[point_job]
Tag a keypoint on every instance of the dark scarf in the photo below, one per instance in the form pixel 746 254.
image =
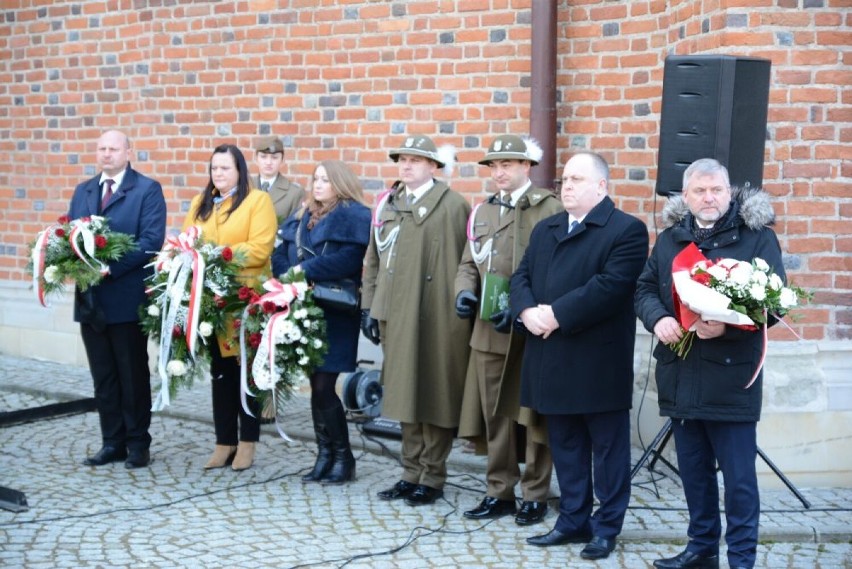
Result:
pixel 703 233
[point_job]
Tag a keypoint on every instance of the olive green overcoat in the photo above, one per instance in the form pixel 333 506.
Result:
pixel 408 288
pixel 510 235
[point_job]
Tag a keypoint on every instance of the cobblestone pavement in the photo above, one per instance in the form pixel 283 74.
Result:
pixel 175 514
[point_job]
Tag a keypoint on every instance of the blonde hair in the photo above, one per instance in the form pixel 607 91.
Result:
pixel 343 181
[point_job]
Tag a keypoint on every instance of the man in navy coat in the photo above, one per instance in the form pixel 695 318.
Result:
pixel 573 292
pixel 108 313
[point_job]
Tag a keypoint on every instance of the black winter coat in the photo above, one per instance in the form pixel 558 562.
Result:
pixel 709 384
pixel 340 240
pixel 588 278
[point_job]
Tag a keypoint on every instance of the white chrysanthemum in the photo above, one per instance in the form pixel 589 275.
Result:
pixel 775 282
pixel 205 329
pixel 300 351
pixel 788 298
pixel 153 310
pixel 741 274
pixel 304 360
pixel 761 265
pixel 760 278
pixel 176 368
pixel 757 292
pixel 300 314
pixel 51 274
pixel 304 339
pixel 317 343
pixel 263 379
pixel 307 324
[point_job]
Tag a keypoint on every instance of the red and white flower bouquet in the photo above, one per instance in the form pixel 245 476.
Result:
pixel 739 293
pixel 75 250
pixel 193 294
pixel 282 338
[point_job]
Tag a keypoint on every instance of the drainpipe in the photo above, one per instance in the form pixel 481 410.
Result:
pixel 543 93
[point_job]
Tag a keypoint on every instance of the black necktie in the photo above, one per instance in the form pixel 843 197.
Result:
pixel 107 193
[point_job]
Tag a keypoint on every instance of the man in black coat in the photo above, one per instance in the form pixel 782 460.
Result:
pixel 573 291
pixel 715 417
pixel 108 313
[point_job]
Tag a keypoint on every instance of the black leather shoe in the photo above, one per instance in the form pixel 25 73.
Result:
pixel 688 560
pixel 598 548
pixel 106 455
pixel 556 537
pixel 423 495
pixel 531 513
pixel 399 490
pixel 491 507
pixel 138 459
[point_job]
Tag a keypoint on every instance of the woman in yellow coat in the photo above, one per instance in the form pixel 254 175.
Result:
pixel 230 213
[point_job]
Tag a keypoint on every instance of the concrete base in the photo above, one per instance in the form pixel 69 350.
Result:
pixel 806 429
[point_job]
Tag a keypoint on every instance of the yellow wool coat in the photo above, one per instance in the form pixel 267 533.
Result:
pixel 248 230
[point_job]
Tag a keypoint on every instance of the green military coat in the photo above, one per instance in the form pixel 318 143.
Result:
pixel 408 288
pixel 510 236
pixel 286 196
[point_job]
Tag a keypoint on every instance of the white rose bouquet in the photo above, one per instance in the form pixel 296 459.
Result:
pixel 740 293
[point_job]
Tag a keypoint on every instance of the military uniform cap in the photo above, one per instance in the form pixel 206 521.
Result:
pixel 419 145
pixel 269 145
pixel 512 147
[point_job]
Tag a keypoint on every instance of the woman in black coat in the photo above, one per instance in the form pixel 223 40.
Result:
pixel 327 238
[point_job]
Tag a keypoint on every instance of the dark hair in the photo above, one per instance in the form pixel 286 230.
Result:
pixel 206 207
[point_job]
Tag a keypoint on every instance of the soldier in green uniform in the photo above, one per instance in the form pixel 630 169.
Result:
pixel 498 232
pixel 407 298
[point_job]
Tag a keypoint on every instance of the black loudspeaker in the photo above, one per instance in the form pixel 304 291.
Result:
pixel 714 106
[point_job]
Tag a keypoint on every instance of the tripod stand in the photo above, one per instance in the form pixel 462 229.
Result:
pixel 659 443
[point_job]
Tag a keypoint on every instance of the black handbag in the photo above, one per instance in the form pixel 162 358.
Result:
pixel 343 295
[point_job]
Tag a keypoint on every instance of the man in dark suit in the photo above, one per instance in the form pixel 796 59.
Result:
pixel 108 313
pixel 573 292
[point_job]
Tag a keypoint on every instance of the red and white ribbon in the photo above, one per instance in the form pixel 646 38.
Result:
pixel 82 241
pixel 186 265
pixel 39 252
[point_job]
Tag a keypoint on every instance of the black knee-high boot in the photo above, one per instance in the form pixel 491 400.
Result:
pixel 343 469
pixel 324 459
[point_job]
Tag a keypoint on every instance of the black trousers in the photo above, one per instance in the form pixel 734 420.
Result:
pixel 577 442
pixel 118 361
pixel 230 420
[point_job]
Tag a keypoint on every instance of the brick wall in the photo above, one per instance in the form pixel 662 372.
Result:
pixel 348 79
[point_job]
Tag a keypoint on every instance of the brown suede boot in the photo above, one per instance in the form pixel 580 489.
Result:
pixel 222 456
pixel 244 457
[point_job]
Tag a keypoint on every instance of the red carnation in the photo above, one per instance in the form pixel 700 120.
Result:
pixel 176 331
pixel 254 339
pixel 252 309
pixel 227 254
pixel 219 301
pixel 63 219
pixel 100 241
pixel 237 323
pixel 269 307
pixel 60 232
pixel 244 293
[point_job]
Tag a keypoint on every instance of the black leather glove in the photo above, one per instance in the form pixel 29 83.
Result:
pixel 370 327
pixel 502 321
pixel 466 303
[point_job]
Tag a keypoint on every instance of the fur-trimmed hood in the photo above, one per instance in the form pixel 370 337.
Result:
pixel 755 208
